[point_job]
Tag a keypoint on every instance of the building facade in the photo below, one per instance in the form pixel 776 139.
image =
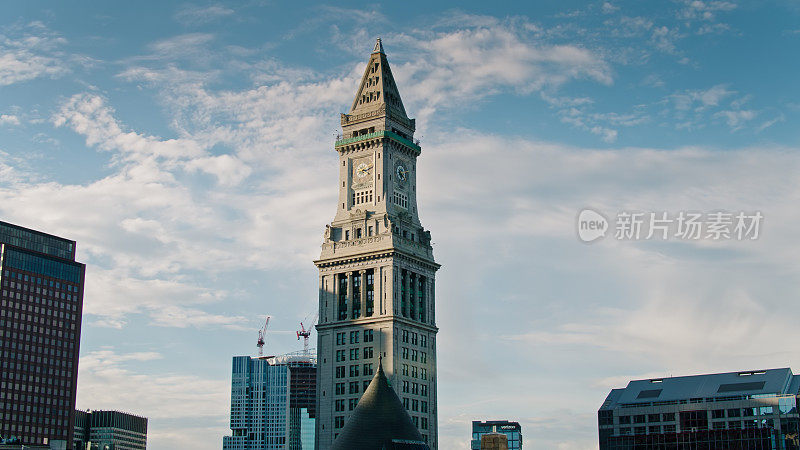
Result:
pixel 512 430
pixel 273 403
pixel 109 430
pixel 41 302
pixel 750 410
pixel 376 269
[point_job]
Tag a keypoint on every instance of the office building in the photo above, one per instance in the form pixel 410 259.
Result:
pixel 376 268
pixel 109 430
pixel 40 327
pixel 512 430
pixel 273 402
pixel 755 409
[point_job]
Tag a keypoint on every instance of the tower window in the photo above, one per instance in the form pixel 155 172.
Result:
pixel 356 284
pixel 342 297
pixel 401 200
pixel 370 298
pixel 361 197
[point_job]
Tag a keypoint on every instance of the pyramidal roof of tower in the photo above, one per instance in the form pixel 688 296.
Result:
pixel 379 420
pixel 378 88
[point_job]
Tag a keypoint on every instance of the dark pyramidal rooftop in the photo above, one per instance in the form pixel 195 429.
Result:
pixel 379 422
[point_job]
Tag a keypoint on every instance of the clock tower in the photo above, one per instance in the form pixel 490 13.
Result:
pixel 376 270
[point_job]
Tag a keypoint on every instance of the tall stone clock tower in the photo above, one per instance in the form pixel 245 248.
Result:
pixel 376 270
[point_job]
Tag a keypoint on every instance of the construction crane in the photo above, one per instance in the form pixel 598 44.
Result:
pixel 306 332
pixel 262 334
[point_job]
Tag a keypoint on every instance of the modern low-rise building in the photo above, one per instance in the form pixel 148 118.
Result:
pixel 109 430
pixel 512 430
pixel 754 409
pixel 273 402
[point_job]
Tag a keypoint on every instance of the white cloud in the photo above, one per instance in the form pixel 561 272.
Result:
pixel 609 8
pixel 34 54
pixel 607 134
pixel 704 10
pixel 695 109
pixel 771 122
pixel 200 15
pixel 665 38
pixel 181 46
pixel 88 115
pixel 673 297
pixel 106 380
pixel 737 119
pixel 454 68
pixel 9 119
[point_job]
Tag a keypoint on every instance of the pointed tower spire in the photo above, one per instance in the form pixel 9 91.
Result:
pixel 378 91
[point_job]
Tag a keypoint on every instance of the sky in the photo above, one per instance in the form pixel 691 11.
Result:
pixel 188 149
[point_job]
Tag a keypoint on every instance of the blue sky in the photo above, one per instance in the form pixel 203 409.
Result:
pixel 188 148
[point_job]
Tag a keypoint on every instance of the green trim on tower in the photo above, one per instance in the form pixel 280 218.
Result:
pixel 388 134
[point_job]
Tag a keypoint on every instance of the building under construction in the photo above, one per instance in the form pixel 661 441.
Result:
pixel 273 402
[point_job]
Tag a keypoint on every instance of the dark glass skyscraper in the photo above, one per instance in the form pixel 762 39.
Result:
pixel 41 300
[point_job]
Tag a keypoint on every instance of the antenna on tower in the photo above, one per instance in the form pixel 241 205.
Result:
pixel 306 332
pixel 262 334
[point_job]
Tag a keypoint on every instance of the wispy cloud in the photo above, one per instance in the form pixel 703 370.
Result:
pixel 32 52
pixel 201 15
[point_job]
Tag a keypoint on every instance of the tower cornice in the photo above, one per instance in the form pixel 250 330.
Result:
pixel 377 319
pixel 380 254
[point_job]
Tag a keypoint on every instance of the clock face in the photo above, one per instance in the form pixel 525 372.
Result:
pixel 363 170
pixel 402 173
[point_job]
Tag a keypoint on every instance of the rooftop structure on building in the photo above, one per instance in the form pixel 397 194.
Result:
pixel 273 402
pixel 379 421
pixel 512 430
pixel 751 409
pixel 494 441
pixel 41 302
pixel 112 430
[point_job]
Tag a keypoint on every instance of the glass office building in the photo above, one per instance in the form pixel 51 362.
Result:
pixel 754 409
pixel 273 403
pixel 512 430
pixel 41 301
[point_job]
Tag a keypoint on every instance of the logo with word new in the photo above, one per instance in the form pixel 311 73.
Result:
pixel 591 225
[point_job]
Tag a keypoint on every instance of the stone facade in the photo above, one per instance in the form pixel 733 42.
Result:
pixel 376 269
